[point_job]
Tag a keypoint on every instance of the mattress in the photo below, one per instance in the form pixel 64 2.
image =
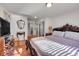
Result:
pixel 46 47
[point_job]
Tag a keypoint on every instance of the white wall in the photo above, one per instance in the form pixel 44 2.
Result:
pixel 70 18
pixel 14 28
pixel 48 22
pixel 4 14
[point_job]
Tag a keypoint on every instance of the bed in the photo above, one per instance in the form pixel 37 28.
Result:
pixel 63 42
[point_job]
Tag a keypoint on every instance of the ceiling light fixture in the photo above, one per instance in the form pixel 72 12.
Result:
pixel 35 17
pixel 48 5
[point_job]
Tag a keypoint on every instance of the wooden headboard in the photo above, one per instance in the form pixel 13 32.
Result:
pixel 67 27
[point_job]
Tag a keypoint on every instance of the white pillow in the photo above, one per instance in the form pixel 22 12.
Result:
pixel 58 33
pixel 72 35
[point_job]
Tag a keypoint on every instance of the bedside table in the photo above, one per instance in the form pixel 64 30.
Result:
pixel 47 34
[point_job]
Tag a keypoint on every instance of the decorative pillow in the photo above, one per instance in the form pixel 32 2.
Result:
pixel 58 33
pixel 72 35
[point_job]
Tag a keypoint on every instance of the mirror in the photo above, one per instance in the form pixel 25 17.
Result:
pixel 20 24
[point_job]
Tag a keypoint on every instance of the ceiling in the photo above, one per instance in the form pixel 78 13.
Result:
pixel 39 9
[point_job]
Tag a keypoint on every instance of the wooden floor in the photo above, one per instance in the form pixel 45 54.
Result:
pixel 16 48
pixel 2 43
pixel 19 47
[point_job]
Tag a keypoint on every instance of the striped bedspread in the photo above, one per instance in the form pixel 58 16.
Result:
pixel 56 49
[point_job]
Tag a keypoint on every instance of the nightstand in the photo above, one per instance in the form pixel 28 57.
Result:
pixel 47 34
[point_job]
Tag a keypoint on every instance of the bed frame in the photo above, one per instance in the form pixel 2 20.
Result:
pixel 67 27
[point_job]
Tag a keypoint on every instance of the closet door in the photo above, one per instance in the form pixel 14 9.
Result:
pixel 41 28
pixel 33 28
